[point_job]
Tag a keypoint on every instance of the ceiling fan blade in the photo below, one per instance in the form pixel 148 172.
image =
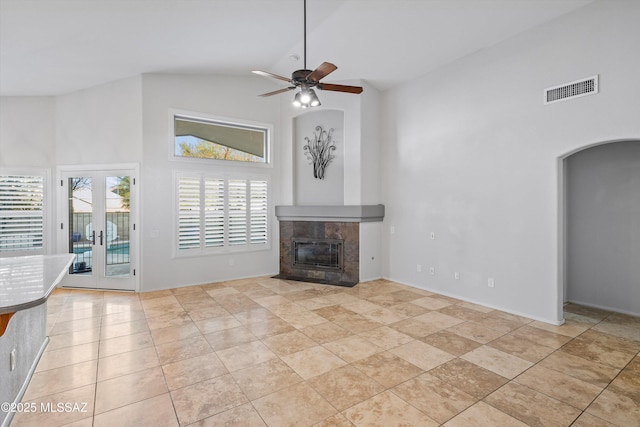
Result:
pixel 275 92
pixel 339 88
pixel 323 70
pixel 275 76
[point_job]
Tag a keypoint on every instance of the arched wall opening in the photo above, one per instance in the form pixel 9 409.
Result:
pixel 600 226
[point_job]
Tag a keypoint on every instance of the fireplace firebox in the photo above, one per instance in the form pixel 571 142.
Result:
pixel 317 254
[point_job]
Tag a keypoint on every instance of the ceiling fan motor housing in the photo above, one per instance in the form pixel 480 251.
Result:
pixel 300 76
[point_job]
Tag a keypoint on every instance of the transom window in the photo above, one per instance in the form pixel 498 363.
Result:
pixel 219 140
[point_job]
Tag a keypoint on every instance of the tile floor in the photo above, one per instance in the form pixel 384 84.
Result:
pixel 268 352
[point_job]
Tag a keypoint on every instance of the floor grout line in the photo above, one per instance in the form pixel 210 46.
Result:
pixel 231 301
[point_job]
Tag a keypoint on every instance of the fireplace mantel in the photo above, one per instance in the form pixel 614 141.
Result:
pixel 348 213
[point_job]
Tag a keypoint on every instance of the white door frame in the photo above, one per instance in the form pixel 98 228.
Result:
pixel 62 219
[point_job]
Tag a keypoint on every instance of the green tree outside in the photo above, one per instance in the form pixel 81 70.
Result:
pixel 210 150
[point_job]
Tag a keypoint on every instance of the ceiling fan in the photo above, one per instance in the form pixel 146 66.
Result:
pixel 306 80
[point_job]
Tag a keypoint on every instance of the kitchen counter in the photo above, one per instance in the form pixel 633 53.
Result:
pixel 28 281
pixel 25 284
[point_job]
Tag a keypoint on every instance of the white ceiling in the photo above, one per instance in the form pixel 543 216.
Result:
pixel 51 47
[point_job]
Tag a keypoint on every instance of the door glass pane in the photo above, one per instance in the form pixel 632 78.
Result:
pixel 81 224
pixel 116 233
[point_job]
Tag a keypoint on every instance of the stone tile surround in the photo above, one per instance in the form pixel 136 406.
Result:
pixel 349 232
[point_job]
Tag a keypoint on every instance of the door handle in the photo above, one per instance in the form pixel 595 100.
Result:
pixel 93 237
pixel 101 237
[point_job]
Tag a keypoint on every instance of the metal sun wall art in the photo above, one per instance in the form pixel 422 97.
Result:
pixel 318 151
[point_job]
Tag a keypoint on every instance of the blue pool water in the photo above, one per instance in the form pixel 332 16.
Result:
pixel 119 248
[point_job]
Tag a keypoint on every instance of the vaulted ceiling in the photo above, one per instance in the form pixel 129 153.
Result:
pixel 52 47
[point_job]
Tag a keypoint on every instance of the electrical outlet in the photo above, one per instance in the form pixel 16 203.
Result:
pixel 12 360
pixel 392 230
pixel 491 283
pixel 433 235
pixel 456 275
pixel 419 268
pixel 432 270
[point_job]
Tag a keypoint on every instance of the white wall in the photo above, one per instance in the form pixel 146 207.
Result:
pixel 370 251
pixel 100 125
pixel 310 190
pixel 220 96
pixel 27 132
pixel 603 226
pixel 370 148
pixel 471 153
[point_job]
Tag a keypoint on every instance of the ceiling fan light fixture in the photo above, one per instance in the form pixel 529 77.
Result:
pixel 305 96
pixel 296 100
pixel 314 98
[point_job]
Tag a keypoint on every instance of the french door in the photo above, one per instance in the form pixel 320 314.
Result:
pixel 98 225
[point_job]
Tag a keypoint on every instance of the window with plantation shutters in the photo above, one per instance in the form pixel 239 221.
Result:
pixel 237 212
pixel 21 213
pixel 189 227
pixel 214 212
pixel 217 214
pixel 258 213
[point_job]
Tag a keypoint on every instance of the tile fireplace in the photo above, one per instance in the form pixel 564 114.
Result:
pixel 321 244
